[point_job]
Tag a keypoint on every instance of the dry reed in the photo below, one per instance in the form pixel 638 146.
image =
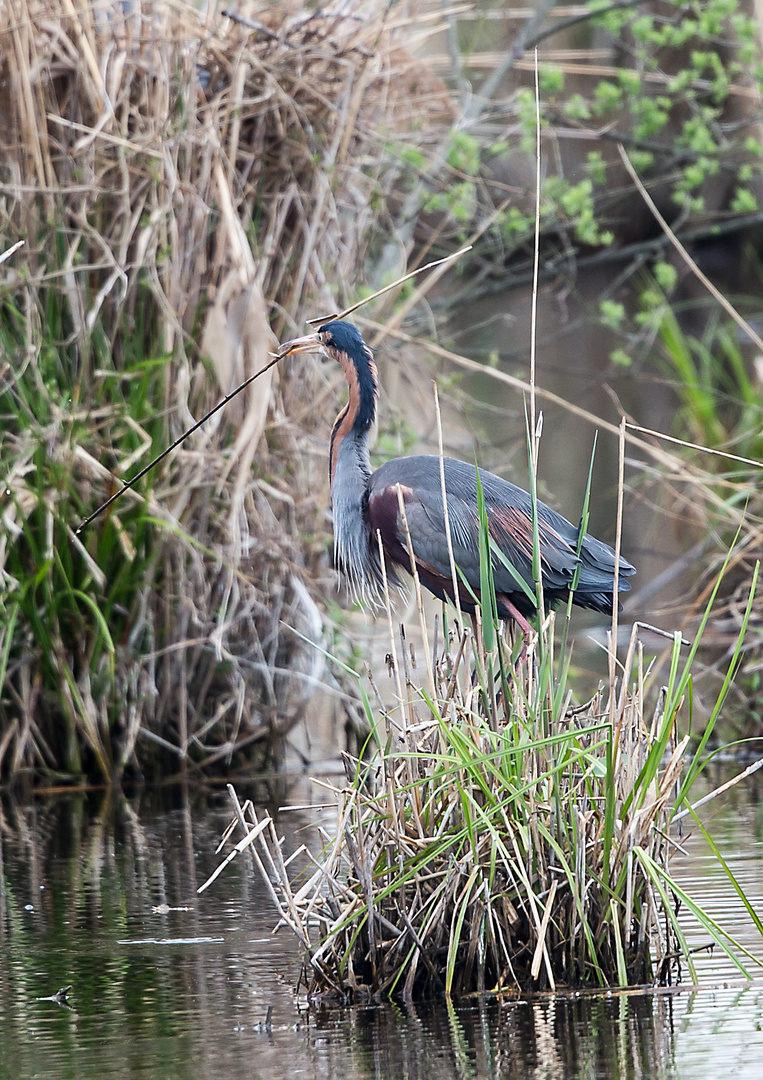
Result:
pixel 182 182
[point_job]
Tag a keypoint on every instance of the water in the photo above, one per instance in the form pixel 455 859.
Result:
pixel 87 884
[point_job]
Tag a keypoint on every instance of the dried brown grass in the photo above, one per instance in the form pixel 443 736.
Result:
pixel 183 184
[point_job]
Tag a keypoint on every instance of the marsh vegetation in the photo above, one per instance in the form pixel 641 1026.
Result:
pixel 189 189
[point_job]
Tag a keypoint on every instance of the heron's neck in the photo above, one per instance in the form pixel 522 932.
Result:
pixel 350 470
pixel 354 423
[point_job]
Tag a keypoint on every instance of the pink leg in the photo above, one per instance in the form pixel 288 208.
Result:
pixel 518 617
pixel 521 622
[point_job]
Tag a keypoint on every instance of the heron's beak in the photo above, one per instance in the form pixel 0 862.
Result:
pixel 300 344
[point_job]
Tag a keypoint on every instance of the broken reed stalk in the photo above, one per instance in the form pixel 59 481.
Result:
pixel 522 851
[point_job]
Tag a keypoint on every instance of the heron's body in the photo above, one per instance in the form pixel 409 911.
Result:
pixel 365 504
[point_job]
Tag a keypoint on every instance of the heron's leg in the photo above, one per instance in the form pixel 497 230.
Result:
pixel 523 625
pixel 518 618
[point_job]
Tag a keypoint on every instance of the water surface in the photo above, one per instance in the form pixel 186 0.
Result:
pixel 86 887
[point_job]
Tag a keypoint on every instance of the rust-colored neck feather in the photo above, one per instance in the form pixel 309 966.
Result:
pixel 358 415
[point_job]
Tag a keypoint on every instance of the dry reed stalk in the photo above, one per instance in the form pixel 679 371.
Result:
pixel 181 182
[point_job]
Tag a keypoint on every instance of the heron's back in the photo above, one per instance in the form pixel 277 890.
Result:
pixel 509 513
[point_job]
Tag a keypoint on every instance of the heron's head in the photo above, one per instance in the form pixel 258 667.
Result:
pixel 338 339
pixel 342 342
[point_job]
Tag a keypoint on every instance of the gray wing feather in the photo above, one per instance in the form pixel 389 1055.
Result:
pixel 509 513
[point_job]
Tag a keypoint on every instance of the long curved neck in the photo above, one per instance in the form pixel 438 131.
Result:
pixel 354 422
pixel 350 471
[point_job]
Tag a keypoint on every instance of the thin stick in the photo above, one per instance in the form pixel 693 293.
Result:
pixel 695 446
pixel 446 513
pixel 541 951
pixel 534 432
pixel 616 574
pixel 247 382
pixel 237 806
pixel 387 288
pixel 536 263
pixel 393 650
pixel 242 845
pixel 177 442
pixel 719 790
pixel 250 24
pixel 725 304
pixel 11 250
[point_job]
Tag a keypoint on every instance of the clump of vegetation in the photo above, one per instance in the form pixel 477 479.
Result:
pixel 504 837
pixel 181 182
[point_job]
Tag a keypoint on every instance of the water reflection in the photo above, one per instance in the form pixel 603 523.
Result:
pixel 100 892
pixel 551 1039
